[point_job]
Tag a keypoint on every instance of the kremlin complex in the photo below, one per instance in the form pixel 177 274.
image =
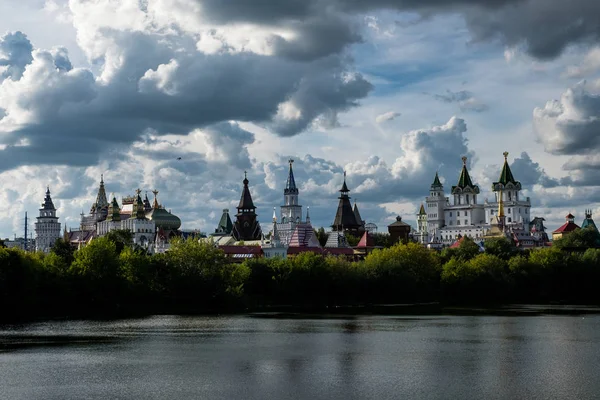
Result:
pixel 442 221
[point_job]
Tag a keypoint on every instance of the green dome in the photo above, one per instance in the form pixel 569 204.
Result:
pixel 164 219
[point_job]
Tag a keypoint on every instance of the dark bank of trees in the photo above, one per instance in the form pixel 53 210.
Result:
pixel 110 278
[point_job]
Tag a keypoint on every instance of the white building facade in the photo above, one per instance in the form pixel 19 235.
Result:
pixel 517 209
pixel 142 229
pixel 444 221
pixel 47 227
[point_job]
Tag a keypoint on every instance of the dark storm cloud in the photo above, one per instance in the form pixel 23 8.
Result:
pixel 160 82
pixel 543 27
pixel 157 88
pixel 530 173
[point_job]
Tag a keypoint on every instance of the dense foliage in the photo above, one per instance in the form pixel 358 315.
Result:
pixel 110 277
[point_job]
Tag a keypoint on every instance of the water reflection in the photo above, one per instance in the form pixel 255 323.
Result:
pixel 249 357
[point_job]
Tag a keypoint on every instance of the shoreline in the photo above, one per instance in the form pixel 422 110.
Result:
pixel 338 312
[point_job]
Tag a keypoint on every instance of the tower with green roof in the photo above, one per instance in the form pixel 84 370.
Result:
pixel 517 209
pixel 433 210
pixel 465 192
pixel 465 216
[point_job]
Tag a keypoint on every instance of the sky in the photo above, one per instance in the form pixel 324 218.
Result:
pixel 183 96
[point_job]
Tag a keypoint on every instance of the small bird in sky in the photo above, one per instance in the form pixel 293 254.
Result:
pixel 179 158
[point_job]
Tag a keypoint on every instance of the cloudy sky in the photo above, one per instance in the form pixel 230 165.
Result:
pixel 389 90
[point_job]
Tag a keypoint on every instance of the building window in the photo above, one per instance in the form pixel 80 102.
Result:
pixel 458 213
pixel 467 199
pixel 509 219
pixel 466 222
pixel 509 210
pixel 450 213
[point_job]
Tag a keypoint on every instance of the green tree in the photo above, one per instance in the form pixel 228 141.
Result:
pixel 122 238
pixel 55 264
pixel 352 240
pixel 322 236
pixel 200 275
pixel 579 239
pixel 2 245
pixel 404 272
pixel 19 282
pixel 382 239
pixel 136 268
pixel 501 247
pixel 64 250
pixel 481 279
pixel 466 250
pixel 98 260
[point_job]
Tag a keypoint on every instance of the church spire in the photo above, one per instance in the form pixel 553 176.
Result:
pixel 506 180
pixel 101 200
pixel 246 202
pixel 344 190
pixel 436 181
pixel 275 239
pixel 48 204
pixel 246 226
pixel 307 214
pixel 464 181
pixel 155 203
pixel 345 218
pixel 290 186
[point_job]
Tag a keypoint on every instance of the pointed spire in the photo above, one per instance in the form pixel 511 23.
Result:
pixel 101 200
pixel 290 186
pixel 275 239
pixel 155 203
pixel 48 204
pixel 344 188
pixel 506 175
pixel 357 214
pixel 246 202
pixel 308 215
pixel 436 180
pixel 422 210
pixel 465 179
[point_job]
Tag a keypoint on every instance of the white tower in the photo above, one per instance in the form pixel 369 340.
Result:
pixel 422 225
pixel 291 211
pixel 435 203
pixel 517 209
pixel 47 227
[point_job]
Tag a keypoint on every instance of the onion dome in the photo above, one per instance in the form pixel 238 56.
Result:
pixel 161 217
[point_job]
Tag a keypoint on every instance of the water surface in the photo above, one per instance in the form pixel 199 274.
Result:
pixel 250 357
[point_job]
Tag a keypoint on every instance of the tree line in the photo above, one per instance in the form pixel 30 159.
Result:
pixel 111 277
